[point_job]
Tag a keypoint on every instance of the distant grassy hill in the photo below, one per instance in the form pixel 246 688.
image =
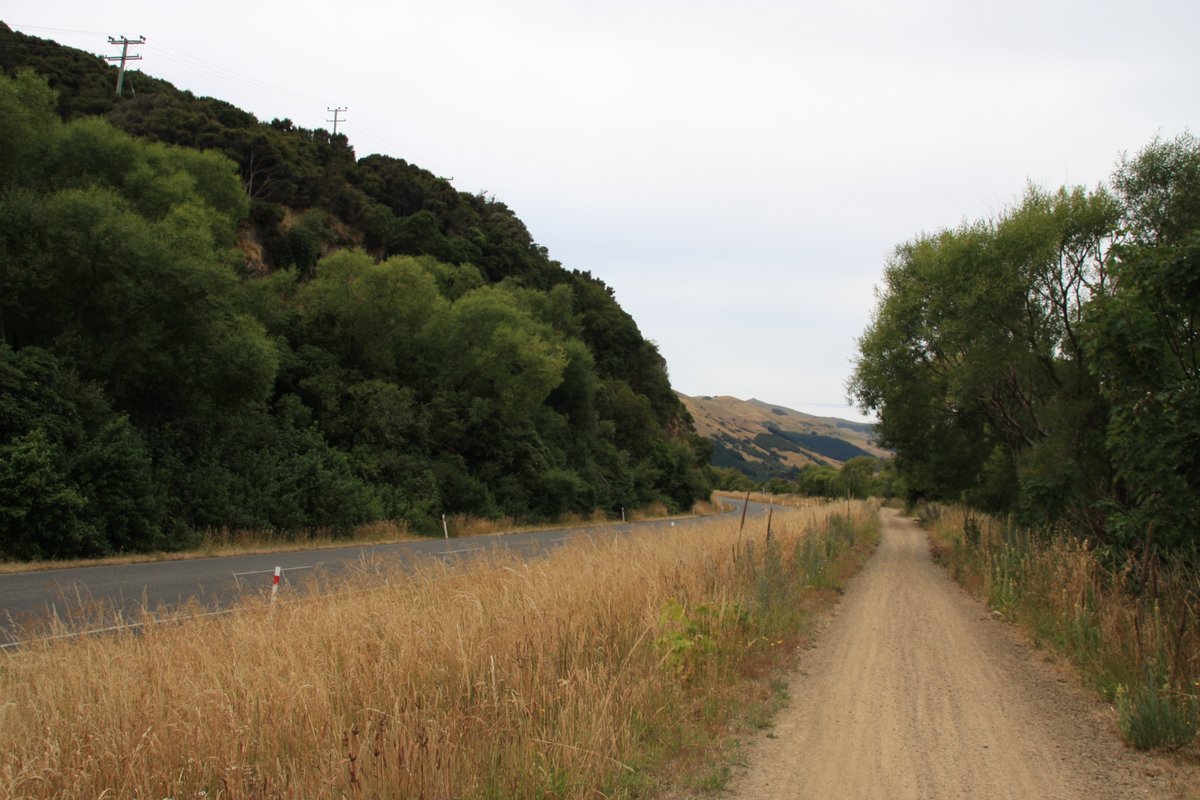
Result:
pixel 764 440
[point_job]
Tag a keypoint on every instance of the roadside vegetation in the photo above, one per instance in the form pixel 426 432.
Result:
pixel 607 668
pixel 157 382
pixel 1046 363
pixel 1044 367
pixel 1131 627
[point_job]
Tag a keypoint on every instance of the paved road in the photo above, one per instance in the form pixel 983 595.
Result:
pixel 29 600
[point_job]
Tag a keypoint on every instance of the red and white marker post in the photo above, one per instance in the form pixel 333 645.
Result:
pixel 275 585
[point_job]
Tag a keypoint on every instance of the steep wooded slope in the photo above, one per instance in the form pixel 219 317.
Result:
pixel 253 328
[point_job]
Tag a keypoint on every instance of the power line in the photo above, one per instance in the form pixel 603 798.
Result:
pixel 366 132
pixel 17 25
pixel 217 71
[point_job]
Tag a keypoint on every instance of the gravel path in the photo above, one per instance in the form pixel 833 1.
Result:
pixel 914 691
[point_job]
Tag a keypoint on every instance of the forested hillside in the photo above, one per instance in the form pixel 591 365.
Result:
pixel 1047 362
pixel 207 321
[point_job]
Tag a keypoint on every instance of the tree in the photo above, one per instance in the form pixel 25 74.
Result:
pixel 495 351
pixel 199 385
pixel 1060 344
pixel 975 363
pixel 27 122
pixel 76 478
pixel 818 481
pixel 1144 337
pixel 910 364
pixel 857 477
pixel 374 315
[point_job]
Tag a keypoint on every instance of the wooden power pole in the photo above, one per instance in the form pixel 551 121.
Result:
pixel 335 119
pixel 124 57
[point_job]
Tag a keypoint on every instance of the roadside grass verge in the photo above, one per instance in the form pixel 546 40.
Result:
pixel 1131 629
pixel 226 542
pixel 604 669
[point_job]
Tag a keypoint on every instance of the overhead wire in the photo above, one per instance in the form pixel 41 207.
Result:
pixel 47 44
pixel 16 25
pixel 369 132
pixel 178 56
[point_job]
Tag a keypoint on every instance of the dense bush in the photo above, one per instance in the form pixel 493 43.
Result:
pixel 1046 363
pixel 155 381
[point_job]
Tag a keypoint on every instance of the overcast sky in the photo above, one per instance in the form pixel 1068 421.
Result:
pixel 738 172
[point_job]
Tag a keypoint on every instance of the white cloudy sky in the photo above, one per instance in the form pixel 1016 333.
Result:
pixel 737 172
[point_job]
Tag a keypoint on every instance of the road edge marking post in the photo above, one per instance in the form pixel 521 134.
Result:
pixel 275 584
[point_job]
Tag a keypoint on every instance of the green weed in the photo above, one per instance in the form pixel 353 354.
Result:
pixel 1154 714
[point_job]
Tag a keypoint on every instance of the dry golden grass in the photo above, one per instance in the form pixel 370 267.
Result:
pixel 463 525
pixel 1126 626
pixel 782 500
pixel 554 678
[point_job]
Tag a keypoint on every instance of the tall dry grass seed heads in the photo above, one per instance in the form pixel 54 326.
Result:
pixel 1133 630
pixel 559 677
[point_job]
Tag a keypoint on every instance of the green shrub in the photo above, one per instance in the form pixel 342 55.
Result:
pixel 1154 714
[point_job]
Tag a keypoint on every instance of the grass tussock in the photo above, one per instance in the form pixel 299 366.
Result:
pixel 595 671
pixel 1131 629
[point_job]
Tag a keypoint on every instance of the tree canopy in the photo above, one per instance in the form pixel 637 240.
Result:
pixel 1044 362
pixel 266 333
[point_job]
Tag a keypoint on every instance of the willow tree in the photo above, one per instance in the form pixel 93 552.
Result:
pixel 974 362
pixel 1145 334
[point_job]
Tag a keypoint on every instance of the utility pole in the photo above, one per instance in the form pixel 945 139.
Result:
pixel 124 56
pixel 335 120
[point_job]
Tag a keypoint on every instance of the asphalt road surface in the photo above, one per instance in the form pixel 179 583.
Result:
pixel 90 598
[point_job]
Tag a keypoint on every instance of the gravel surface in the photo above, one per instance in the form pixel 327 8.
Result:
pixel 914 690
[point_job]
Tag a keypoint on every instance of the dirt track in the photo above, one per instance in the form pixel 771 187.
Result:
pixel 913 691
